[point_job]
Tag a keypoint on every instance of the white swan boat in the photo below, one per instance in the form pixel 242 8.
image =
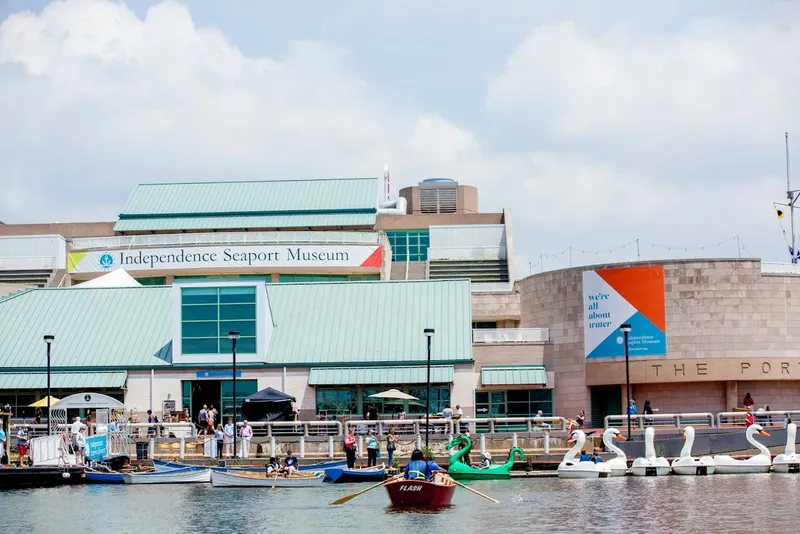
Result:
pixel 789 461
pixel 760 463
pixel 650 465
pixel 176 476
pixel 264 480
pixel 571 468
pixel 619 464
pixel 686 464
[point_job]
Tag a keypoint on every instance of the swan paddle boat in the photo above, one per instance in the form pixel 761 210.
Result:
pixel 651 465
pixel 789 461
pixel 760 463
pixel 686 464
pixel 572 468
pixel 460 470
pixel 251 479
pixel 421 493
pixel 618 464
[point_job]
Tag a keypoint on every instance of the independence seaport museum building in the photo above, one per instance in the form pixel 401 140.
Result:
pixel 331 284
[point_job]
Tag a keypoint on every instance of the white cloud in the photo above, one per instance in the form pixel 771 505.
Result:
pixel 596 137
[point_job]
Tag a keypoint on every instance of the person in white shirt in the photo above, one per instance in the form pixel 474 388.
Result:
pixel 245 433
pixel 80 447
pixel 447 413
pixel 75 429
pixel 229 430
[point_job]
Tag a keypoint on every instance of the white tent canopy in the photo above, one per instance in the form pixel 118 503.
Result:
pixel 393 394
pixel 116 278
pixel 87 400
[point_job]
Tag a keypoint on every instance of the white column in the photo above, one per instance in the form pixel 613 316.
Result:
pixel 272 446
pixel 360 446
pixel 330 447
pixel 183 448
pixel 483 443
pixel 302 447
pixel 514 439
pixel 547 442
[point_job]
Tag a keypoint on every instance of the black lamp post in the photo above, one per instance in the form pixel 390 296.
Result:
pixel 233 335
pixel 428 334
pixel 626 328
pixel 49 340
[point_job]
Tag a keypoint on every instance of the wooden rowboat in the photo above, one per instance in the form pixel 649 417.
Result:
pixel 177 476
pixel 264 480
pixel 163 465
pixel 421 493
pixel 366 474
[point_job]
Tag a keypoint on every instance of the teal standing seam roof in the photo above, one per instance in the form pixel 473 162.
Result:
pixel 93 328
pixel 110 380
pixel 309 220
pixel 357 376
pixel 513 375
pixel 367 323
pixel 268 196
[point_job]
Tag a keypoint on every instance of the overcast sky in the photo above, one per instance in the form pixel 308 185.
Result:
pixel 597 123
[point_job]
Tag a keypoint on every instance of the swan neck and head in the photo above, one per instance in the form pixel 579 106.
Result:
pixel 688 435
pixel 791 437
pixel 580 439
pixel 752 430
pixel 608 436
pixel 649 442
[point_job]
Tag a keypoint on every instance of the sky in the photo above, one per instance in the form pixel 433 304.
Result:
pixel 596 123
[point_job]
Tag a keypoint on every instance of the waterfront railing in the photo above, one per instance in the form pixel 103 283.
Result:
pixel 663 420
pixel 764 418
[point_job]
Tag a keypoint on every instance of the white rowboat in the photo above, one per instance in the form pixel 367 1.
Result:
pixel 262 480
pixel 189 476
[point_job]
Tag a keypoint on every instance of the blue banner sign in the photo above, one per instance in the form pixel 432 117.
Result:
pixel 97 447
pixel 217 374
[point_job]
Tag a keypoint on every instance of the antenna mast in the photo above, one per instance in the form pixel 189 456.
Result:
pixel 792 197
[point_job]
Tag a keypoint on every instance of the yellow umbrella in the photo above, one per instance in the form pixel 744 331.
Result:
pixel 43 403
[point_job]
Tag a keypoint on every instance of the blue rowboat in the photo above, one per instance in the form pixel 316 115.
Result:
pixel 366 474
pixel 93 477
pixel 162 466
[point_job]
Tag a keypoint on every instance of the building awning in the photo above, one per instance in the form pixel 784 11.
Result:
pixel 109 380
pixel 514 375
pixel 362 376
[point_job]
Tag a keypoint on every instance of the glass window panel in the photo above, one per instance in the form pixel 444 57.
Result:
pixel 517 395
pixel 199 295
pixel 481 397
pixel 246 345
pixel 498 397
pixel 199 329
pixel 237 295
pixel 229 312
pixel 245 328
pixel 518 409
pixel 200 346
pixel 199 313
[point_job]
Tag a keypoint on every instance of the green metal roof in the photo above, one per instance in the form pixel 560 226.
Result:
pixel 255 204
pixel 311 220
pixel 63 380
pixel 513 375
pixel 357 323
pixel 93 327
pixel 354 376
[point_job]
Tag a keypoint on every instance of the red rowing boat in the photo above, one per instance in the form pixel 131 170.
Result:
pixel 421 493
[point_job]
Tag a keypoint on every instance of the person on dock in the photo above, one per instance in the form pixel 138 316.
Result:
pixel 3 458
pixel 580 420
pixel 290 464
pixel 246 432
pixel 748 401
pixel 418 467
pixel 391 445
pixel 229 430
pixel 632 409
pixel 80 448
pixel 372 450
pixel 202 420
pixel 75 429
pixel 22 443
pixel 350 448
pixel 220 436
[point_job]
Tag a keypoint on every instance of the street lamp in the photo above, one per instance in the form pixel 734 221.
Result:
pixel 233 335
pixel 48 339
pixel 626 328
pixel 428 334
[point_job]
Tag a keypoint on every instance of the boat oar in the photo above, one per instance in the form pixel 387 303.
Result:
pixel 354 495
pixel 475 491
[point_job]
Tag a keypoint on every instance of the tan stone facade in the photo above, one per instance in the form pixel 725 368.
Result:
pixel 730 330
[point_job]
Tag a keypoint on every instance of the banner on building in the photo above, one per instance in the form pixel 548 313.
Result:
pixel 267 256
pixel 632 295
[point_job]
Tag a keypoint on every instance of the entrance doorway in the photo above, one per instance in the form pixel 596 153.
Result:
pixel 606 400
pixel 205 392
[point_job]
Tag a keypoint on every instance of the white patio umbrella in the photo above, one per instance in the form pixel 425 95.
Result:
pixel 393 394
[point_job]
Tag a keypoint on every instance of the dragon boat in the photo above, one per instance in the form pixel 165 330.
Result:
pixel 458 469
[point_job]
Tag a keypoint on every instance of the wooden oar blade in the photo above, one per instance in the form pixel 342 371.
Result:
pixel 476 492
pixel 347 498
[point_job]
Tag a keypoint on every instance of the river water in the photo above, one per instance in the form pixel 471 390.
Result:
pixel 717 503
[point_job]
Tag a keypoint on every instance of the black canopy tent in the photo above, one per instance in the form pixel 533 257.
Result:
pixel 268 405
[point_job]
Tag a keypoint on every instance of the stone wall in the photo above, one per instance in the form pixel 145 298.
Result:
pixel 496 306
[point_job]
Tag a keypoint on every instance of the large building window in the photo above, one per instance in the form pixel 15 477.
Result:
pixel 353 400
pixel 409 245
pixel 514 403
pixel 209 313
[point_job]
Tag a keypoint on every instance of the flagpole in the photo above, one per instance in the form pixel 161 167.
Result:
pixel 790 195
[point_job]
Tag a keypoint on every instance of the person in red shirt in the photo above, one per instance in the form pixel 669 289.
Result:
pixel 748 401
pixel 749 420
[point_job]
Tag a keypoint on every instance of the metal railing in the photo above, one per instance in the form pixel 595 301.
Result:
pixel 762 418
pixel 224 238
pixel 668 420
pixel 768 267
pixel 492 287
pixel 510 335
pixel 295 428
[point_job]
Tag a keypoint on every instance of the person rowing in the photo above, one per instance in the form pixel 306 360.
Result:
pixel 418 467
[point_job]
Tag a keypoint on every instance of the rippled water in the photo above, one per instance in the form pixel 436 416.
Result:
pixel 725 503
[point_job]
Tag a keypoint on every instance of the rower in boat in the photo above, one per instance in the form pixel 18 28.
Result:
pixel 290 464
pixel 273 466
pixel 418 467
